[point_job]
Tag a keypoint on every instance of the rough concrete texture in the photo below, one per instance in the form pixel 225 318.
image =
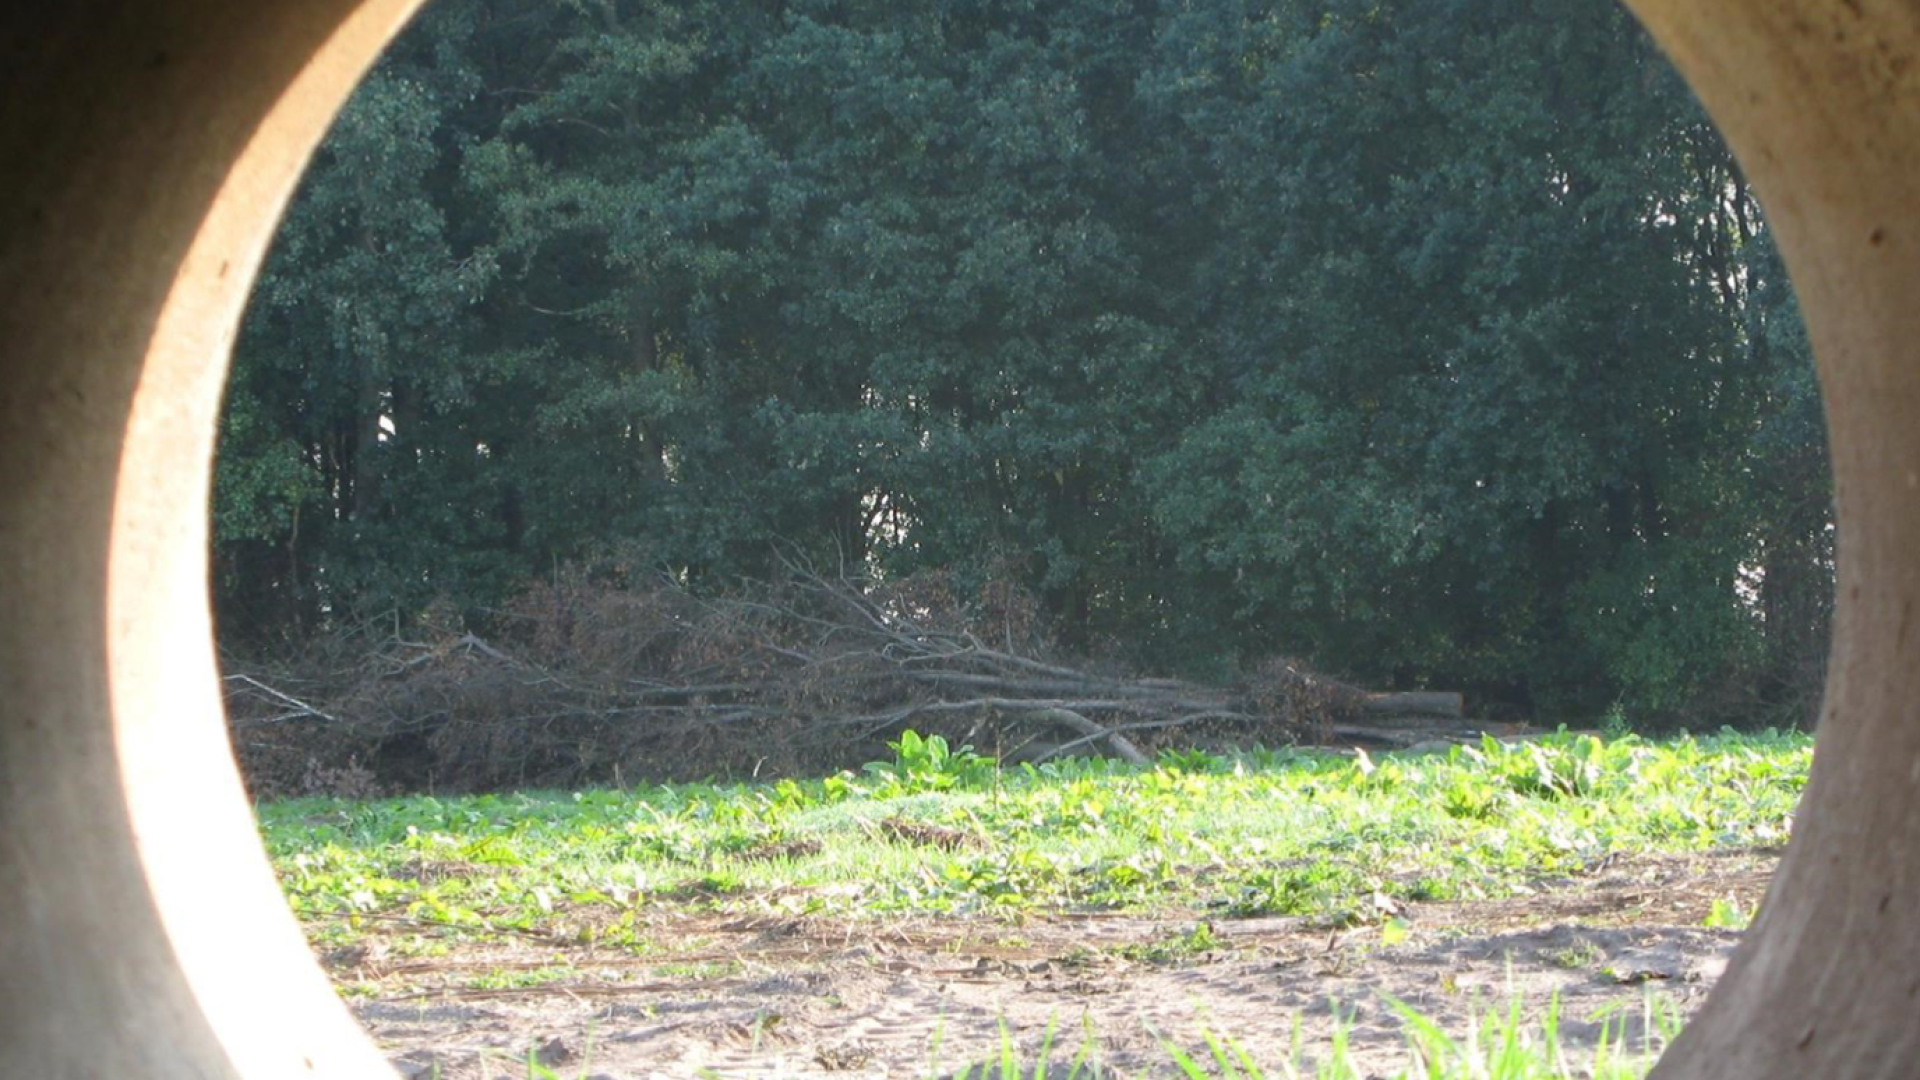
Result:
pixel 146 148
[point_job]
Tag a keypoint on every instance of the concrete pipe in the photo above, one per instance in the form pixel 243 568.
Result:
pixel 146 149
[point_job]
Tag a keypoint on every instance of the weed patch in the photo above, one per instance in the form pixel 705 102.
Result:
pixel 1336 839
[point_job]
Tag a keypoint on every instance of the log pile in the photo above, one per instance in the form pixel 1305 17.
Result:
pixel 597 679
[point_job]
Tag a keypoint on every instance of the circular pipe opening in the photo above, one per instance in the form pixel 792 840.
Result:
pixel 146 167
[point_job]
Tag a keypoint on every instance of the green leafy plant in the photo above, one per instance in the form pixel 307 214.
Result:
pixel 925 764
pixel 1727 914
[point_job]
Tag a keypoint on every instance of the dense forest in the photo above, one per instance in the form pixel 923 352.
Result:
pixel 1427 344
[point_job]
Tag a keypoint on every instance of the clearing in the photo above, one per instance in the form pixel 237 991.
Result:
pixel 936 910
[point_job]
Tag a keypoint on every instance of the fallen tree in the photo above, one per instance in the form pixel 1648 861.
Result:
pixel 605 676
pixel 1418 703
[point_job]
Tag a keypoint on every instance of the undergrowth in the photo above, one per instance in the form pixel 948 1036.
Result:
pixel 1339 839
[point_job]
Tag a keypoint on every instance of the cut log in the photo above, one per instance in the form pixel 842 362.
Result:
pixel 1091 732
pixel 1417 703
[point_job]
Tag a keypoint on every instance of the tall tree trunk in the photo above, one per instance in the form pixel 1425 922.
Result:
pixel 369 407
pixel 651 449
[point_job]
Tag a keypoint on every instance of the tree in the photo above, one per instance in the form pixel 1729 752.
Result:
pixel 1430 345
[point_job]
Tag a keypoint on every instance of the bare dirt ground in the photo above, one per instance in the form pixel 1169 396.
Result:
pixel 773 997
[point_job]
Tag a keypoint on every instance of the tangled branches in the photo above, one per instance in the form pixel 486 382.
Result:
pixel 600 677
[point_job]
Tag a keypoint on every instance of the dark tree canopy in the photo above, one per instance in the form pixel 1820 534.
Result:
pixel 1429 344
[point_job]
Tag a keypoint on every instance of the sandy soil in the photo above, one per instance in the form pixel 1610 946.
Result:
pixel 770 997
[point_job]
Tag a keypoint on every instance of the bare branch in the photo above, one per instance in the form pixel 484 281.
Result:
pixel 300 709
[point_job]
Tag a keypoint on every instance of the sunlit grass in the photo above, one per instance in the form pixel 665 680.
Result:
pixel 1339 839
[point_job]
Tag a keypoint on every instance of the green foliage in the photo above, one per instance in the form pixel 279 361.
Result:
pixel 1435 343
pixel 926 764
pixel 1307 835
pixel 1727 914
pixel 1315 888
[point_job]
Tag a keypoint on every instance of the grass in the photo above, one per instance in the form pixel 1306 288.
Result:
pixel 1499 1046
pixel 1334 839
